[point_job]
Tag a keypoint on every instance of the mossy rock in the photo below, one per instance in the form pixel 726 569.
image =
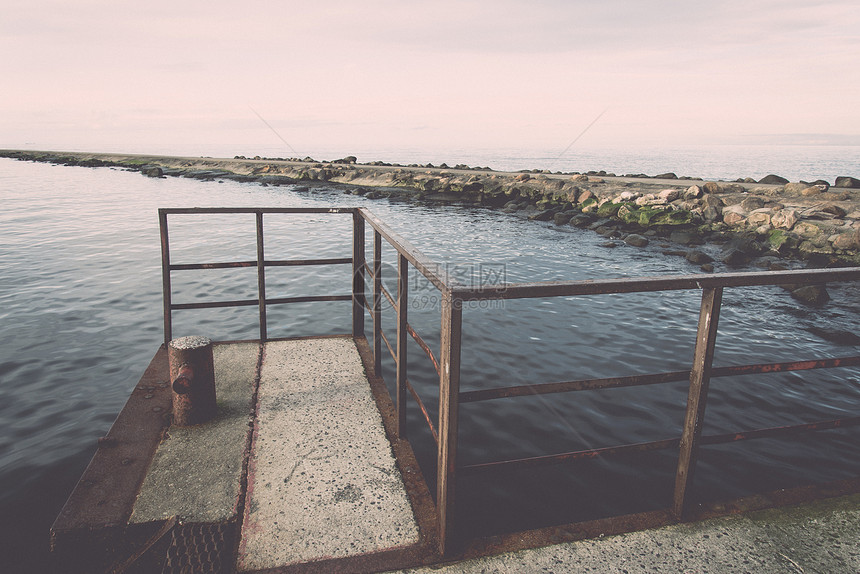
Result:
pixel 777 238
pixel 647 214
pixel 608 209
pixel 628 213
pixel 588 202
pixel 679 217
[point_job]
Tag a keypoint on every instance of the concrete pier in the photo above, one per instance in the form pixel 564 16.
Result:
pixel 322 480
pixel 297 474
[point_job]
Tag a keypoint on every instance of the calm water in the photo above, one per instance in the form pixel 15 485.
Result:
pixel 80 318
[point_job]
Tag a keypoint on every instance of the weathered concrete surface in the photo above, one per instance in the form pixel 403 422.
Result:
pixel 821 537
pixel 322 480
pixel 196 473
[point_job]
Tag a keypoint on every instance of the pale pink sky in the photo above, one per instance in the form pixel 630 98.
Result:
pixel 187 75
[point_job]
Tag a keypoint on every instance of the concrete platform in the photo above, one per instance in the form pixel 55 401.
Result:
pixel 296 474
pixel 322 480
pixel 196 473
pixel 820 537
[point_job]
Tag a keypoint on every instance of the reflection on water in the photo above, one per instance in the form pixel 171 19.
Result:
pixel 80 316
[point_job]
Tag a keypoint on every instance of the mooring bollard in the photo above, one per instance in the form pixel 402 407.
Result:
pixel 192 373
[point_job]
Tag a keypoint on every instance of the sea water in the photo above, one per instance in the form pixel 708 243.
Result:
pixel 80 318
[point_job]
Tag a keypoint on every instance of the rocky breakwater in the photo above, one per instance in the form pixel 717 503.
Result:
pixel 733 223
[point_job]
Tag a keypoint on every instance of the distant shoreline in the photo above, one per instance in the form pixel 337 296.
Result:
pixel 767 222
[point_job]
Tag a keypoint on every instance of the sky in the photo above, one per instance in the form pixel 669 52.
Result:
pixel 193 76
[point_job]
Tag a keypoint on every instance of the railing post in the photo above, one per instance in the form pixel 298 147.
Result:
pixel 261 277
pixel 377 303
pixel 697 398
pixel 165 276
pixel 402 337
pixel 449 391
pixel 358 298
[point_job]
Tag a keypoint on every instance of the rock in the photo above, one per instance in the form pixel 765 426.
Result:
pixel 152 171
pixel 609 244
pixel 698 257
pixel 636 240
pixel 545 215
pixel 707 268
pixel 845 181
pixel 834 210
pixel 668 175
pixel 581 220
pixel 807 230
pixel 759 217
pixel 711 187
pixel 347 159
pixel 847 241
pixel 562 218
pixel 733 218
pixel 811 294
pixel 784 219
pixel 811 191
pixel 752 203
pixel 523 177
pixel 836 196
pixel 684 237
pixel 773 180
pixel 712 208
pixel 795 188
pixel 693 192
pixel 734 257
pixel 584 196
pixel 668 195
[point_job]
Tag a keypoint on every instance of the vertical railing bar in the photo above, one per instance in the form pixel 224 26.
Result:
pixel 402 338
pixel 165 277
pixel 358 298
pixel 377 303
pixel 261 277
pixel 449 391
pixel 700 376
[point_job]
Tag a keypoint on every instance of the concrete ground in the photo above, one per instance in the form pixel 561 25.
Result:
pixel 196 473
pixel 322 479
pixel 323 485
pixel 822 537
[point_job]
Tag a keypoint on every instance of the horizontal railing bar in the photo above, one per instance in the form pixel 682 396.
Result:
pixel 777 431
pixel 251 302
pixel 233 264
pixel 389 297
pixel 432 271
pixel 308 299
pixel 214 304
pixel 387 344
pixel 423 411
pixel 661 444
pixel 658 378
pixel 216 210
pixel 785 367
pixel 567 456
pixel 298 262
pixel 568 386
pixel 196 266
pixel 423 345
pixel 647 284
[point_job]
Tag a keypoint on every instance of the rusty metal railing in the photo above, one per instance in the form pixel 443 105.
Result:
pixel 453 295
pixel 260 263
